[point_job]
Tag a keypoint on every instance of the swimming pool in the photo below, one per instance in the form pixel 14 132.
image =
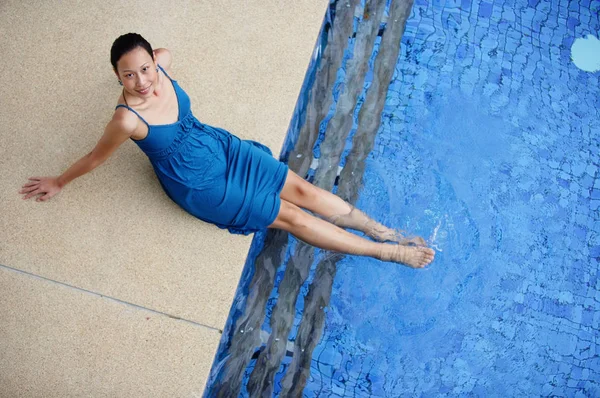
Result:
pixel 486 141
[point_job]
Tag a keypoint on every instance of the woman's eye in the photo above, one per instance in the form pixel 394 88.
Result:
pixel 145 69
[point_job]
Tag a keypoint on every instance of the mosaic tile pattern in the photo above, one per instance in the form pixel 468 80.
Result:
pixel 490 148
pixel 493 136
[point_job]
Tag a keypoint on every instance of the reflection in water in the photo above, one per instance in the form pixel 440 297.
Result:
pixel 296 272
pixel 246 335
pixel 321 97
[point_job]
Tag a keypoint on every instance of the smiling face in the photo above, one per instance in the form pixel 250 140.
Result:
pixel 137 70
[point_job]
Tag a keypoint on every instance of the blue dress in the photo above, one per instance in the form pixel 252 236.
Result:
pixel 212 174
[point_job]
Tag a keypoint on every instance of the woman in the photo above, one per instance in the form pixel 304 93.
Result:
pixel 214 175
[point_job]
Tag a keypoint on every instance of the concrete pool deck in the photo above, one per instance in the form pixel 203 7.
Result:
pixel 110 289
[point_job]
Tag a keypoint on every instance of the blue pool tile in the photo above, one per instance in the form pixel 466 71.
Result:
pixel 567 42
pixel 572 23
pixel 580 232
pixel 574 6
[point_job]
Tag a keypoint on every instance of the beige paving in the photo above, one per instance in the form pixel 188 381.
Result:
pixel 59 342
pixel 114 231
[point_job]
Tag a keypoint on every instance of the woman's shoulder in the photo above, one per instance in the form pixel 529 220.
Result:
pixel 123 119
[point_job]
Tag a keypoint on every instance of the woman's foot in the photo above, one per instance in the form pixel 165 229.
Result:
pixel 359 221
pixel 381 233
pixel 413 256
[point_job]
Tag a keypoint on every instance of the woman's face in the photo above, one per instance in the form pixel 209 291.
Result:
pixel 137 70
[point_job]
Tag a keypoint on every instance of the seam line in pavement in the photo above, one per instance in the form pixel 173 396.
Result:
pixel 111 298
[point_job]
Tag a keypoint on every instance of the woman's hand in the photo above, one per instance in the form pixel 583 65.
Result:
pixel 45 186
pixel 119 129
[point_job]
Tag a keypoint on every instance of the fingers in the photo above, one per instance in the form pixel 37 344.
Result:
pixel 29 187
pixel 34 182
pixel 43 187
pixel 32 193
pixel 34 187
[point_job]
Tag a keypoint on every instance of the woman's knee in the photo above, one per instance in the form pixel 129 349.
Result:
pixel 290 216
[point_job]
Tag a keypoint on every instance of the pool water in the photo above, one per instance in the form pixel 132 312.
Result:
pixel 484 138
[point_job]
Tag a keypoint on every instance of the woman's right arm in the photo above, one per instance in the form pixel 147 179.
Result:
pixel 118 130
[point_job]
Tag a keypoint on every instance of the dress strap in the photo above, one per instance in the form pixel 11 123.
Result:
pixel 165 72
pixel 133 110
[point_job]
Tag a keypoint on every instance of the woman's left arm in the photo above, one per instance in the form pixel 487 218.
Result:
pixel 163 57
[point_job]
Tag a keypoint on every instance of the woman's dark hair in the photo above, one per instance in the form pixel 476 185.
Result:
pixel 126 43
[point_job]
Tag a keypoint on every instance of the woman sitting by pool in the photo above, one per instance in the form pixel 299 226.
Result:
pixel 217 177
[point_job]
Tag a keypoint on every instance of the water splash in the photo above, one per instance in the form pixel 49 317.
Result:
pixel 433 239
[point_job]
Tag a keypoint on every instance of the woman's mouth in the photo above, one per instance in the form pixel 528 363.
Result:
pixel 145 91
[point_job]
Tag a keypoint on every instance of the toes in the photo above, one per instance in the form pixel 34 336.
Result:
pixel 427 256
pixel 427 251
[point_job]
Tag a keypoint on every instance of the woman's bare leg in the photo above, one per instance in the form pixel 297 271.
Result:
pixel 333 208
pixel 358 220
pixel 320 233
